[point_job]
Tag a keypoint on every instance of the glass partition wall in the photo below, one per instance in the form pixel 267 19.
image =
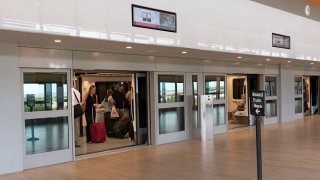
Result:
pixel 271 102
pixel 46 114
pixel 215 85
pixel 171 108
pixel 298 91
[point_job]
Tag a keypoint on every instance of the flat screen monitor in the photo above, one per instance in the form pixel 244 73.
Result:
pixel 280 41
pixel 154 19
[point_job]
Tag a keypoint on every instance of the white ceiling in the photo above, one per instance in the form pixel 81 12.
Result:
pixel 86 44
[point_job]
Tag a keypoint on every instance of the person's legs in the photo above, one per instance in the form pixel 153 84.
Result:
pixel 76 132
pixel 88 131
pixel 234 115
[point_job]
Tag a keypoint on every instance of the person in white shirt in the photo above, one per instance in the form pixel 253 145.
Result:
pixel 76 99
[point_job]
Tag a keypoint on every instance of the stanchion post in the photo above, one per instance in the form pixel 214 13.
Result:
pixel 258 143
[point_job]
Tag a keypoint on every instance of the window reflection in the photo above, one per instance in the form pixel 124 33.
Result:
pixel 215 85
pixel 195 100
pixel 298 85
pixel 219 117
pixel 171 88
pixel 271 108
pixel 45 91
pixel 271 86
pixel 51 134
pixel 298 105
pixel 171 120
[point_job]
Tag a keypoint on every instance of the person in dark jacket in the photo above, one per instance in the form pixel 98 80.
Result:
pixel 91 100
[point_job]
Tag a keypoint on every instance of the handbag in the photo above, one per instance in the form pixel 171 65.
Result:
pixel 78 109
pixel 114 113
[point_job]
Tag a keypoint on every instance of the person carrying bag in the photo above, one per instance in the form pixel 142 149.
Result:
pixel 79 108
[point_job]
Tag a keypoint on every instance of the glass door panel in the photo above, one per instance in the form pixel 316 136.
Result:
pixel 215 85
pixel 46 115
pixel 271 93
pixel 171 119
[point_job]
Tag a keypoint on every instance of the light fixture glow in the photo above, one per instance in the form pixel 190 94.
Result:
pixel 239 57
pixel 312 63
pixel 289 61
pixel 268 59
pixel 184 52
pixel 57 40
pixel 129 47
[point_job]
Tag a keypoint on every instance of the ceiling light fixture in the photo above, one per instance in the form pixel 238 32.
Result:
pixel 184 52
pixel 129 47
pixel 57 40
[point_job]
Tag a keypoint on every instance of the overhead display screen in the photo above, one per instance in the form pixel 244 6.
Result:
pixel 154 19
pixel 280 41
pixel 306 8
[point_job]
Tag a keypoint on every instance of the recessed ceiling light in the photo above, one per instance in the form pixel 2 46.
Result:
pixel 57 40
pixel 312 63
pixel 184 52
pixel 239 57
pixel 289 61
pixel 129 47
pixel 268 59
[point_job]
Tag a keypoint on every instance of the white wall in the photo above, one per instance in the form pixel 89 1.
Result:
pixel 287 110
pixel 222 25
pixel 11 142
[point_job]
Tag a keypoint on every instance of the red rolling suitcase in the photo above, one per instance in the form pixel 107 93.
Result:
pixel 98 132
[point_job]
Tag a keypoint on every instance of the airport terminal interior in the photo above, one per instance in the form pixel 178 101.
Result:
pixel 116 89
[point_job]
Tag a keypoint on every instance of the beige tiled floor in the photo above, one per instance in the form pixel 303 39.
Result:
pixel 290 152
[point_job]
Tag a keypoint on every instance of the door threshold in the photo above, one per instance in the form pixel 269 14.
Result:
pixel 109 152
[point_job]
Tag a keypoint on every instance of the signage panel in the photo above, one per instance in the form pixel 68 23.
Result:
pixel 280 41
pixel 257 103
pixel 154 19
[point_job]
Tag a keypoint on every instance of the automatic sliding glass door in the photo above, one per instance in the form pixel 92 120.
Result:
pixel 46 115
pixel 215 85
pixel 171 108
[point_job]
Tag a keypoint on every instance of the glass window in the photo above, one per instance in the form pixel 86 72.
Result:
pixel 271 108
pixel 171 120
pixel 45 91
pixel 298 85
pixel 219 114
pixel 271 86
pixel 298 105
pixel 47 134
pixel 171 88
pixel 215 85
pixel 195 100
pixel 239 88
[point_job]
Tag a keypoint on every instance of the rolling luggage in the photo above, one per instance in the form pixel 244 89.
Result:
pixel 98 132
pixel 109 124
pixel 123 126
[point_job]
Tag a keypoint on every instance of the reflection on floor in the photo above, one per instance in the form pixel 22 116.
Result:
pixel 233 124
pixel 290 152
pixel 51 135
pixel 110 143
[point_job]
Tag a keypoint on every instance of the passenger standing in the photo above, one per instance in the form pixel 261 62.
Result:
pixel 119 97
pixel 75 101
pixel 90 112
pixel 108 102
